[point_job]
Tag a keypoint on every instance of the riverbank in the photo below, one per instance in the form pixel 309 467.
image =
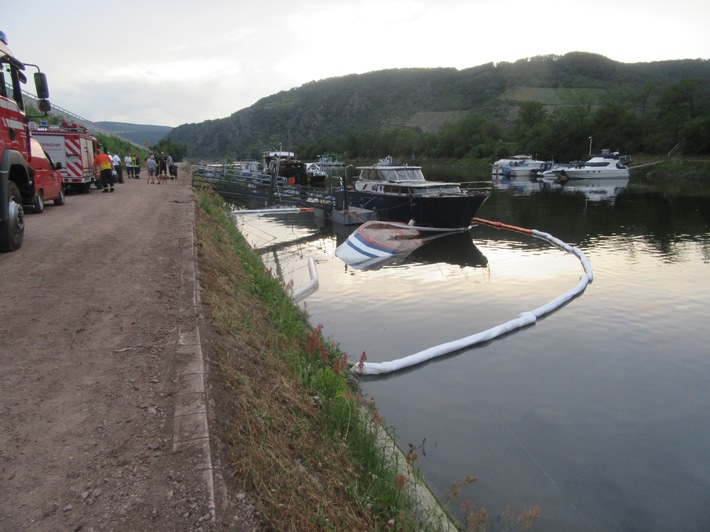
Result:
pixel 684 174
pixel 290 422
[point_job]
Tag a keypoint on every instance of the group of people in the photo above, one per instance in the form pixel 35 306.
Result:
pixel 110 168
pixel 159 167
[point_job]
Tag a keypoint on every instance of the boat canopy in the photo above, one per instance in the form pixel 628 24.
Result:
pixel 436 189
pixel 410 188
pixel 392 173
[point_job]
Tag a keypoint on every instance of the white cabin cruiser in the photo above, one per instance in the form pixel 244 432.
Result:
pixel 606 165
pixel 501 168
pixel 527 169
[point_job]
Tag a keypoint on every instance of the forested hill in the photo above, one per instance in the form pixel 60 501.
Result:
pixel 427 98
pixel 139 134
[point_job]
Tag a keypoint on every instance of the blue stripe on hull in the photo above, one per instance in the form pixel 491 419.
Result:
pixel 364 245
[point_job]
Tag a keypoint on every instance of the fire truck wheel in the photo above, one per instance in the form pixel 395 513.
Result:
pixel 60 199
pixel 38 203
pixel 87 188
pixel 11 238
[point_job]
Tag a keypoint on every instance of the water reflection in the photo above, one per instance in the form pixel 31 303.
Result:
pixel 523 187
pixel 595 190
pixel 457 249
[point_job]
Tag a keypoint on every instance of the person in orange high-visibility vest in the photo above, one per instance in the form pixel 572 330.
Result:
pixel 104 164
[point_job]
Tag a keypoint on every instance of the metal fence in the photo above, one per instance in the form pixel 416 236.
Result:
pixel 232 181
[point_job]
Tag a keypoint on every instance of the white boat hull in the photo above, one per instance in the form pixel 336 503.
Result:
pixel 605 166
pixel 592 173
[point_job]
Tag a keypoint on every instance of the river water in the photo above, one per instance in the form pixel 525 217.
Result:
pixel 599 413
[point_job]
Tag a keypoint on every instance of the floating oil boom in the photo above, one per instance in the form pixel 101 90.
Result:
pixel 524 319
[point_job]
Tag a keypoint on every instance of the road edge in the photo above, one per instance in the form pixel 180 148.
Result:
pixel 190 422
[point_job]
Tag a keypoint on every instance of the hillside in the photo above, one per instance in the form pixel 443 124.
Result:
pixel 427 98
pixel 139 134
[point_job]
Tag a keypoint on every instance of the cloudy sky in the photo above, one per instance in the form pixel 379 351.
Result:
pixel 170 62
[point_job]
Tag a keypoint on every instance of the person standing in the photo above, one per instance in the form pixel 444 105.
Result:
pixel 163 164
pixel 104 165
pixel 118 168
pixel 136 166
pixel 151 165
pixel 128 161
pixel 171 170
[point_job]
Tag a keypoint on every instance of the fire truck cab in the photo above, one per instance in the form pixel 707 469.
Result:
pixel 17 186
pixel 74 147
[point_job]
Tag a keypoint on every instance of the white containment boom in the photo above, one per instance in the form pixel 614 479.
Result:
pixel 523 319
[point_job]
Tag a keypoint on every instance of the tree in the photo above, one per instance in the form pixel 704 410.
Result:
pixel 695 136
pixel 614 125
pixel 175 149
pixel 530 114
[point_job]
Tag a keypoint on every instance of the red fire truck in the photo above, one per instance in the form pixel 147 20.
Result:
pixel 74 147
pixel 17 184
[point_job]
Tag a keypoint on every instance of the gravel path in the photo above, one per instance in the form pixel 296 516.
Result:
pixel 103 417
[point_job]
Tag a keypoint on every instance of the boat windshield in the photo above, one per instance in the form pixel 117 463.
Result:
pixel 415 190
pixel 443 189
pixel 437 190
pixel 393 174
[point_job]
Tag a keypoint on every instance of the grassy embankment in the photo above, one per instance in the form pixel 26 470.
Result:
pixel 674 175
pixel 289 417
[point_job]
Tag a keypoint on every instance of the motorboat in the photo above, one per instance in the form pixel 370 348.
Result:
pixel 286 165
pixel 606 165
pixel 501 168
pixel 524 163
pixel 315 172
pixel 553 172
pixel 529 168
pixel 376 244
pixel 400 193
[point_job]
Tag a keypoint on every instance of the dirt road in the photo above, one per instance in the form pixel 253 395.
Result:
pixel 102 404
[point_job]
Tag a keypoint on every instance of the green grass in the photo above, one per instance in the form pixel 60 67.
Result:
pixel 290 417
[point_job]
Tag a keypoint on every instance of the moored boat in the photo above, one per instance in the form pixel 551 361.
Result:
pixel 527 169
pixel 552 173
pixel 503 167
pixel 400 193
pixel 606 165
pixel 293 170
pixel 316 173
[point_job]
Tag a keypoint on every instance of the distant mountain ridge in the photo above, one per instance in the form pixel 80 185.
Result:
pixel 136 133
pixel 427 98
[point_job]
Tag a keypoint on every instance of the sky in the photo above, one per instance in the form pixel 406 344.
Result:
pixel 171 62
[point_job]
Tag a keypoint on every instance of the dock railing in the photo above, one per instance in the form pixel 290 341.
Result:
pixel 232 181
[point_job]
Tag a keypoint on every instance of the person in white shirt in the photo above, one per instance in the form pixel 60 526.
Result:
pixel 128 161
pixel 117 166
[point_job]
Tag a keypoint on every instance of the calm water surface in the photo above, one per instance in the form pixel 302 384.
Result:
pixel 599 413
